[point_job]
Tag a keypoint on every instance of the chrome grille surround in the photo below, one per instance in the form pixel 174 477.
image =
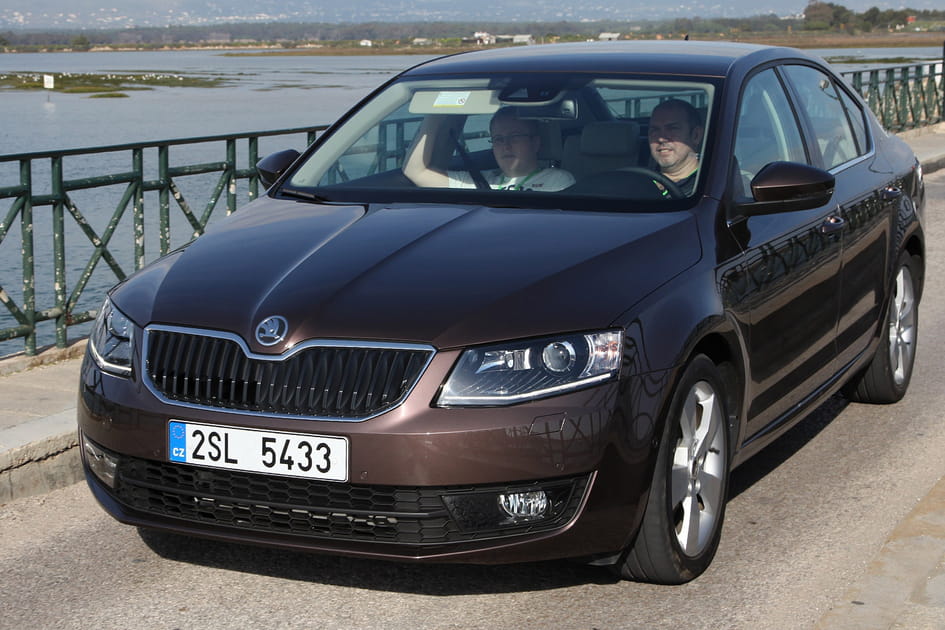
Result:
pixel 317 379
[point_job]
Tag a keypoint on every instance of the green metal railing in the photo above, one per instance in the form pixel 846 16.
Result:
pixel 27 195
pixel 903 98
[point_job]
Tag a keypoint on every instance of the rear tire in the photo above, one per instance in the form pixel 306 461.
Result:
pixel 682 525
pixel 887 377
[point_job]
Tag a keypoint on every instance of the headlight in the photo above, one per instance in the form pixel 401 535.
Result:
pixel 111 340
pixel 525 370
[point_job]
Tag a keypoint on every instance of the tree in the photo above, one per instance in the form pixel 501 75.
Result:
pixel 80 43
pixel 827 15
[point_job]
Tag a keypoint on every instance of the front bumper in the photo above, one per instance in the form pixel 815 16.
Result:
pixel 421 478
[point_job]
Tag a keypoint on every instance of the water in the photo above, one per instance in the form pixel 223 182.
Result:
pixel 260 93
pixel 851 59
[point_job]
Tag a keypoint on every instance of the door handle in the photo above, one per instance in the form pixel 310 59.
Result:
pixel 891 193
pixel 832 225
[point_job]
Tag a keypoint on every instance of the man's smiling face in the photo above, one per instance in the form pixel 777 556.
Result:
pixel 673 141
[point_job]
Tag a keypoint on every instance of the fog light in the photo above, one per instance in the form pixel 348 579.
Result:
pixel 103 464
pixel 524 506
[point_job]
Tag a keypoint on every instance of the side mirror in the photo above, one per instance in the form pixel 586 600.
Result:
pixel 271 167
pixel 786 187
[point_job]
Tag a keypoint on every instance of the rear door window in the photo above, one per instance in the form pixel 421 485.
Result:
pixel 821 101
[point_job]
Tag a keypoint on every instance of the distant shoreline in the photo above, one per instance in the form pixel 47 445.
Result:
pixel 796 40
pixel 801 39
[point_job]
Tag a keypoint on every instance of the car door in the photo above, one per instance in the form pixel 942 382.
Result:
pixel 866 198
pixel 792 264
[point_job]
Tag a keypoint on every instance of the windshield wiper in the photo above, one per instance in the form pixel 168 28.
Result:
pixel 301 194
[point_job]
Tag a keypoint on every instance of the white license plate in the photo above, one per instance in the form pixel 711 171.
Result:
pixel 252 450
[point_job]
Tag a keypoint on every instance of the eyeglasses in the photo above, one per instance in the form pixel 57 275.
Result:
pixel 512 138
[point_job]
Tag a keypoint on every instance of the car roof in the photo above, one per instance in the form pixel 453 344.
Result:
pixel 690 58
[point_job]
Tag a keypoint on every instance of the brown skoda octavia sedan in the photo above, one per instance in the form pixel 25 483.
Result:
pixel 517 304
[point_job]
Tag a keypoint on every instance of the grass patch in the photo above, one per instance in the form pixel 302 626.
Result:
pixel 86 89
pixel 99 83
pixel 110 95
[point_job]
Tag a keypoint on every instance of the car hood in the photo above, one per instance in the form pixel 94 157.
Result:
pixel 443 275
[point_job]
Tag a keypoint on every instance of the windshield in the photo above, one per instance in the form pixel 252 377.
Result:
pixel 517 138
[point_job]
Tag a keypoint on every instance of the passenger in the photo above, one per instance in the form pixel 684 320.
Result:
pixel 675 135
pixel 515 145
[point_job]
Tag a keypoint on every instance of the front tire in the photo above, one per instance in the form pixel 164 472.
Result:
pixel 682 525
pixel 887 377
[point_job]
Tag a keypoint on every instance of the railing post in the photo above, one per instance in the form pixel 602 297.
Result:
pixel 59 250
pixel 875 98
pixel 164 199
pixel 941 87
pixel 857 82
pixel 906 112
pixel 253 158
pixel 231 176
pixel 29 272
pixel 890 101
pixel 137 166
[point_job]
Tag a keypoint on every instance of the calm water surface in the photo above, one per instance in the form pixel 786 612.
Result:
pixel 260 92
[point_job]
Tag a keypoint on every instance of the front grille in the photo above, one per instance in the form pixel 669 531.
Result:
pixel 321 381
pixel 314 509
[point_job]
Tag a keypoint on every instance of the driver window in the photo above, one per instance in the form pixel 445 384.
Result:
pixel 767 129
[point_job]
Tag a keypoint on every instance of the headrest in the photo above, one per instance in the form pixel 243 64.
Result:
pixel 550 133
pixel 610 138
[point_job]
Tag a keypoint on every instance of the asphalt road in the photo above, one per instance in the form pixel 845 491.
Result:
pixel 806 517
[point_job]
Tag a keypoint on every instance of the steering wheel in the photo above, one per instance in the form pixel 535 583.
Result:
pixel 657 178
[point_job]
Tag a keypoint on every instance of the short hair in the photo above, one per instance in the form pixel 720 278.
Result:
pixel 692 114
pixel 512 114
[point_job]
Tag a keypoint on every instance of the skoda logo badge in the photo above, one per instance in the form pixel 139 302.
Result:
pixel 272 330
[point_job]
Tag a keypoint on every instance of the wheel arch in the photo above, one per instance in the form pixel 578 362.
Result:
pixel 724 351
pixel 916 248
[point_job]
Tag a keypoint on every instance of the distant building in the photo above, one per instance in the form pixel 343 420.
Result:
pixel 367 43
pixel 514 39
pixel 608 37
pixel 421 41
pixel 482 38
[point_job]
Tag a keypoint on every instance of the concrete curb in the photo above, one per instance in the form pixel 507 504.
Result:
pixel 40 454
pixel 19 362
pixel 41 466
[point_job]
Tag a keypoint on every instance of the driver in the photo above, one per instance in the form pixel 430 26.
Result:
pixel 515 145
pixel 675 134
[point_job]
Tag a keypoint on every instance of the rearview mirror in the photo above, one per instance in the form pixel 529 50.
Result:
pixel 564 109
